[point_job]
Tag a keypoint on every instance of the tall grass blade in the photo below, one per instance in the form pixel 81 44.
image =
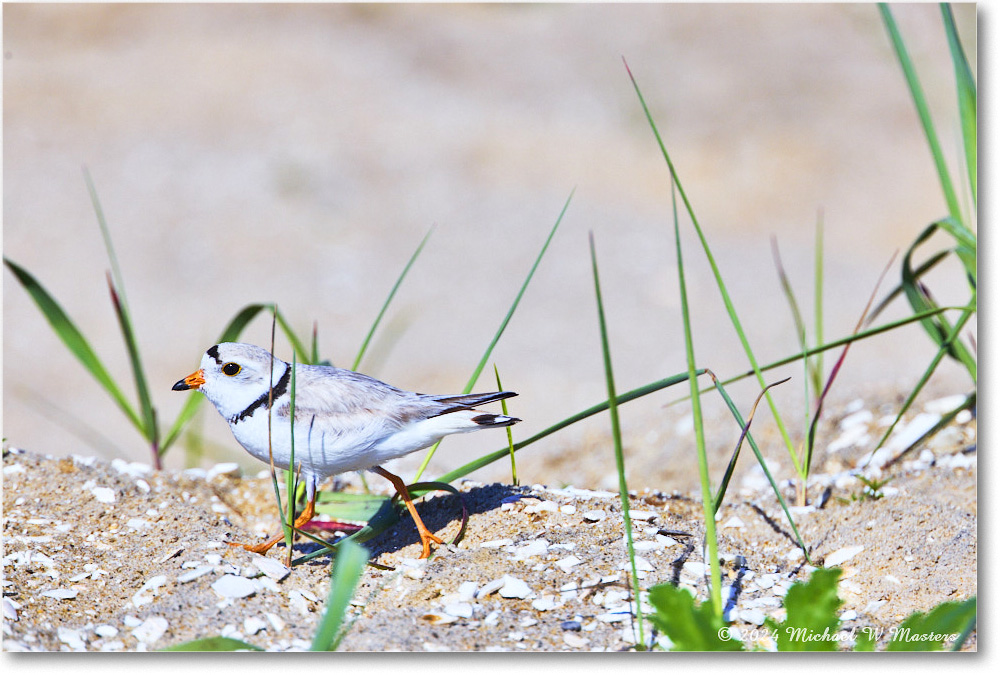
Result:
pixel 965 85
pixel 708 504
pixel 942 350
pixel 388 300
pixel 817 369
pixel 938 328
pixel 70 335
pixel 347 570
pixel 117 287
pixel 727 301
pixel 919 100
pixel 871 332
pixel 290 475
pixel 811 438
pixel 919 272
pixel 721 493
pixel 800 326
pixel 510 435
pixel 503 325
pixel 148 412
pixel 616 435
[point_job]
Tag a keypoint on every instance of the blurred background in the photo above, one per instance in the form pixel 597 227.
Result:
pixel 298 153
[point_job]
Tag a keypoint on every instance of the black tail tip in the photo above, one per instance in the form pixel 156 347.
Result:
pixel 491 420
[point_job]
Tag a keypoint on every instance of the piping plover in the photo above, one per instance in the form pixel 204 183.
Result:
pixel 344 421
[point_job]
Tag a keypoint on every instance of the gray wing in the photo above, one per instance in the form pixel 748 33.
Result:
pixel 327 393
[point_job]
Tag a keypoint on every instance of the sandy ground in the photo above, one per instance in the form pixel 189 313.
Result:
pixel 541 568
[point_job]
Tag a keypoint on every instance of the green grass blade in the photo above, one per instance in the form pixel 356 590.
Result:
pixel 817 369
pixel 727 301
pixel 489 458
pixel 347 570
pixel 938 328
pixel 616 434
pixel 116 284
pixel 388 300
pixel 800 327
pixel 230 333
pixel 942 350
pixel 503 325
pixel 965 85
pixel 811 438
pixel 708 504
pixel 213 644
pixel 510 435
pixel 920 102
pixel 924 267
pixel 721 493
pixel 106 234
pixel 871 332
pixel 290 474
pixel 517 300
pixel 969 403
pixel 149 429
pixel 70 335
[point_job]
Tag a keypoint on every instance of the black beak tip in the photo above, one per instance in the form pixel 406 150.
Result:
pixel 181 385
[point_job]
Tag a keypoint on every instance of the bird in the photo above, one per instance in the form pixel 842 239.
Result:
pixel 344 420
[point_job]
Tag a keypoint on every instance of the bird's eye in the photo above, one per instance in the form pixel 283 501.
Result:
pixel 231 369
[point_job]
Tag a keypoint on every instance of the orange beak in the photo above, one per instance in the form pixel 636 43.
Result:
pixel 192 381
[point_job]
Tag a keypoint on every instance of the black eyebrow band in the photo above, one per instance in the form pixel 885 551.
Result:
pixel 278 390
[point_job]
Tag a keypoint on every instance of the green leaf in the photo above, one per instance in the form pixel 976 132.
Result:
pixel 928 632
pixel 71 336
pixel 811 623
pixel 923 111
pixel 965 85
pixel 347 569
pixel 690 627
pixel 213 644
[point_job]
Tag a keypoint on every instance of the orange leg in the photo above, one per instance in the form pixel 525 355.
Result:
pixel 263 548
pixel 426 536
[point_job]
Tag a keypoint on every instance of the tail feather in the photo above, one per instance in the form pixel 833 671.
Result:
pixel 490 420
pixel 469 401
